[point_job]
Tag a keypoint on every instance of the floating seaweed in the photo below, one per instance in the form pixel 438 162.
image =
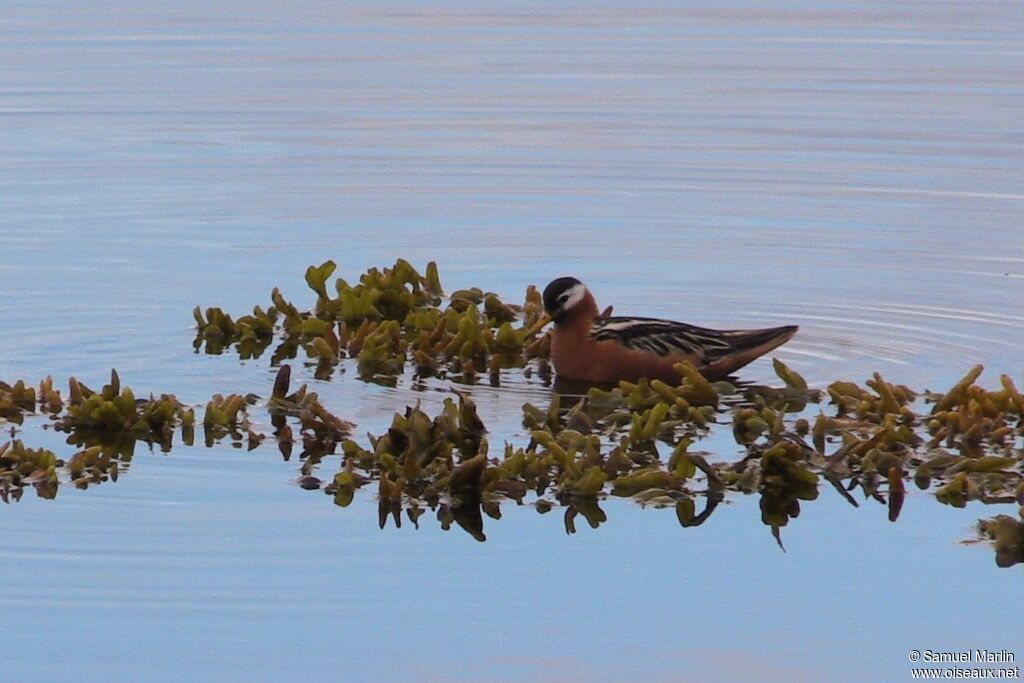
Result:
pixel 634 440
pixel 215 331
pixel 15 401
pixel 227 416
pixel 390 317
pixel 115 411
pixel 320 429
pixel 21 466
pixel 615 442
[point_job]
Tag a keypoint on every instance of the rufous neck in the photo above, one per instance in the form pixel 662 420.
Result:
pixel 584 311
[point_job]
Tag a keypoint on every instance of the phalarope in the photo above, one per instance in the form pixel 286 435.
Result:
pixel 585 346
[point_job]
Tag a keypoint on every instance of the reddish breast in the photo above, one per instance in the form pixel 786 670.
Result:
pixel 577 355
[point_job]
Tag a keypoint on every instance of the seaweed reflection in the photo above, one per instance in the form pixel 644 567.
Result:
pixel 1007 538
pixel 634 440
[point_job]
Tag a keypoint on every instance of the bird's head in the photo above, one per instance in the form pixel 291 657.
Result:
pixel 561 296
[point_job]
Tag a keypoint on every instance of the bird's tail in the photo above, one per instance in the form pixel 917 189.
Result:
pixel 745 346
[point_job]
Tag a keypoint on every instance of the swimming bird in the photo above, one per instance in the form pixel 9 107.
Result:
pixel 588 347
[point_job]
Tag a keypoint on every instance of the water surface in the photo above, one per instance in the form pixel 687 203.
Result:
pixel 855 168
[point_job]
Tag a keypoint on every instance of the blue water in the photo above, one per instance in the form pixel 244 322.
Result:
pixel 855 168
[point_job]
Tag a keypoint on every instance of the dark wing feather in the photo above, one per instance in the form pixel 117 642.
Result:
pixel 667 337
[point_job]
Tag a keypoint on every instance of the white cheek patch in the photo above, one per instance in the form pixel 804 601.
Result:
pixel 576 294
